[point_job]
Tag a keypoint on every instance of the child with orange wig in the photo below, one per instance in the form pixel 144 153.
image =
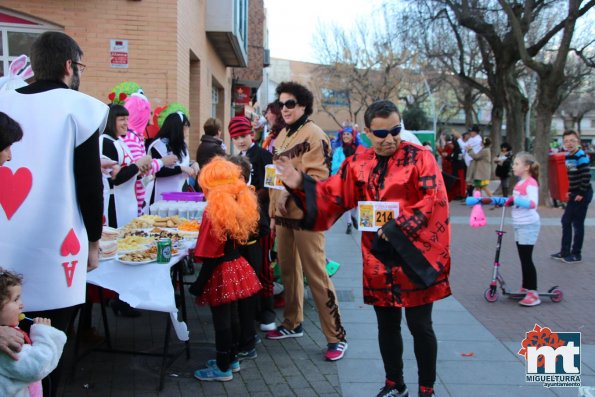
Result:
pixel 230 218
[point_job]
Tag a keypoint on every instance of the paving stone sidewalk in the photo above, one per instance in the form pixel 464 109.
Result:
pixel 478 341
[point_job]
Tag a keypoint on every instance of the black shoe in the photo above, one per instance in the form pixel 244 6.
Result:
pixel 123 308
pixel 349 227
pixel 426 391
pixel 354 222
pixel 392 391
pixel 558 256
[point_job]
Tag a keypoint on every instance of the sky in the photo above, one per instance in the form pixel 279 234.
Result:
pixel 292 24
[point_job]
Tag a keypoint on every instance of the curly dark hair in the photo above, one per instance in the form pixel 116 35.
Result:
pixel 303 95
pixel 8 279
pixel 10 131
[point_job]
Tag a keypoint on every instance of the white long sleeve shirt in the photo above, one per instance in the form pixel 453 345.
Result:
pixel 527 189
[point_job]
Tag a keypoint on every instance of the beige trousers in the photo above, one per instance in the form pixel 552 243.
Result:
pixel 299 253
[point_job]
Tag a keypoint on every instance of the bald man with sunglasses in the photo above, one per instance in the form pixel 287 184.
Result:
pixel 407 260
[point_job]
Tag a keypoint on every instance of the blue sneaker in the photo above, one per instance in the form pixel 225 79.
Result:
pixel 234 366
pixel 572 259
pixel 247 355
pixel 213 374
pixel 558 256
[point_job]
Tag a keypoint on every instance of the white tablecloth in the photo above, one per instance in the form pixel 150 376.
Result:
pixel 146 286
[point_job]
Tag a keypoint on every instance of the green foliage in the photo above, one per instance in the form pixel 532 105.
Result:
pixel 415 118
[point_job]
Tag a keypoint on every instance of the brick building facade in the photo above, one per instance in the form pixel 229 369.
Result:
pixel 178 50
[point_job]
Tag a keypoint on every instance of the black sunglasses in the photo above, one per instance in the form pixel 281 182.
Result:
pixel 396 130
pixel 289 104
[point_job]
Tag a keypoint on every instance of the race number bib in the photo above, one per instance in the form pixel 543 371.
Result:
pixel 372 215
pixel 271 180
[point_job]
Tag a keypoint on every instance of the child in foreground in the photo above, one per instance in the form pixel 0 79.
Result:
pixel 40 353
pixel 526 221
pixel 225 278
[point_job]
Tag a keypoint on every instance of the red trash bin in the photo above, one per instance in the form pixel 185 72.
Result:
pixel 557 176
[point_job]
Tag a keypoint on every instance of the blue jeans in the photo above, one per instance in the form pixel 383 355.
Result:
pixel 574 219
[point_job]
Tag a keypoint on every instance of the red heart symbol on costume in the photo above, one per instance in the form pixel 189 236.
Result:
pixel 15 189
pixel 70 245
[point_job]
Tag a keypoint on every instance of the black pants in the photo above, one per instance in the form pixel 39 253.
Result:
pixel 227 331
pixel 425 346
pixel 574 220
pixel 261 306
pixel 527 266
pixel 61 319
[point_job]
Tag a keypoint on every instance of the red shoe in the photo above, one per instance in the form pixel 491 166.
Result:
pixel 335 351
pixel 531 299
pixel 519 295
pixel 282 333
pixel 426 391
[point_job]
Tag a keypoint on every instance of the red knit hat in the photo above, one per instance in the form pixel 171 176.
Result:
pixel 239 126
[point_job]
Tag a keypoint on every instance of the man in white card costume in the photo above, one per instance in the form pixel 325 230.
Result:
pixel 52 205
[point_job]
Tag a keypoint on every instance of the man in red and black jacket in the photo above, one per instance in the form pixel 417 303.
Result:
pixel 407 261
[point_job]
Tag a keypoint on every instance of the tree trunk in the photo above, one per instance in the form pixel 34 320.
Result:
pixel 468 105
pixel 541 149
pixel 516 108
pixel 579 120
pixel 545 107
pixel 496 130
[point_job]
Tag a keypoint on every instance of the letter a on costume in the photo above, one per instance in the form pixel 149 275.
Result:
pixel 69 268
pixel 70 245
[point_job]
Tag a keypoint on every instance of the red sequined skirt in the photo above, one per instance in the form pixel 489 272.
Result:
pixel 230 281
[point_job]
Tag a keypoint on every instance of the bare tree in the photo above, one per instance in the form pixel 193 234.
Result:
pixel 466 64
pixel 364 64
pixel 550 69
pixel 574 109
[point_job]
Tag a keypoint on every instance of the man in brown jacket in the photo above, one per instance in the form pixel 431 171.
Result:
pixel 301 252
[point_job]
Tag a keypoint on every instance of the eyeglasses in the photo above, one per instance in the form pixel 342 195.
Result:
pixel 81 66
pixel 289 104
pixel 396 130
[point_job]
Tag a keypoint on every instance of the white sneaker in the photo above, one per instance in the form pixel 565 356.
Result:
pixel 277 288
pixel 268 327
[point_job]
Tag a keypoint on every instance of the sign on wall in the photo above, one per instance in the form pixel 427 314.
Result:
pixel 119 53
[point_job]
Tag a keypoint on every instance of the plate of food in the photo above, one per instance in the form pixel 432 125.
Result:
pixel 138 257
pixel 109 234
pixel 189 226
pixel 134 263
pixel 107 250
pixel 133 243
